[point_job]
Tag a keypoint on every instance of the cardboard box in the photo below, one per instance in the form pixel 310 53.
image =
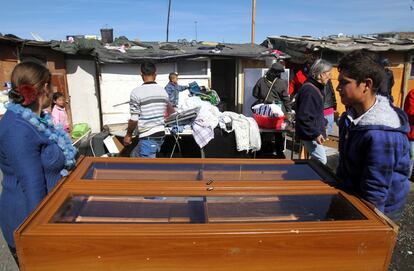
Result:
pixel 113 144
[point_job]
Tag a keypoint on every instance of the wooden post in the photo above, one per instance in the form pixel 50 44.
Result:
pixel 406 76
pixel 253 19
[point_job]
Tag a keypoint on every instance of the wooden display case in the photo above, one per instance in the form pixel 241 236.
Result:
pixel 203 214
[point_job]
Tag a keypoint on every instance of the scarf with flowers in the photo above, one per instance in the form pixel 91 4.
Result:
pixel 54 133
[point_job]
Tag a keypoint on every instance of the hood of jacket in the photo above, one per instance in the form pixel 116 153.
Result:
pixel 383 116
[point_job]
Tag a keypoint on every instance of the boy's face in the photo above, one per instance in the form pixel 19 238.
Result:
pixel 350 91
pixel 174 79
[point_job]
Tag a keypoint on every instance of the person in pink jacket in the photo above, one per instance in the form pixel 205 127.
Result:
pixel 409 110
pixel 58 111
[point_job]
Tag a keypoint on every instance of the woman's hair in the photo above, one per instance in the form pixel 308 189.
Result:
pixel 319 66
pixel 56 96
pixel 28 80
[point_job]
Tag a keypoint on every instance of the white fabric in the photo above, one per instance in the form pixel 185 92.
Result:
pixel 207 119
pixel 277 110
pixel 257 106
pixel 225 123
pixel 271 110
pixel 208 112
pixel 255 139
pixel 246 129
pixel 246 132
pixel 202 133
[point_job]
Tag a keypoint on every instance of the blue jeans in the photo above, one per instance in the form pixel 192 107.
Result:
pixel 396 214
pixel 315 150
pixel 147 147
pixel 329 127
pixel 412 159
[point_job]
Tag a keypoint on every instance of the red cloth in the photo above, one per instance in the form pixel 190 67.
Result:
pixel 297 82
pixel 409 109
pixel 328 111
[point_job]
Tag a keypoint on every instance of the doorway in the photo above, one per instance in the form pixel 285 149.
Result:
pixel 223 72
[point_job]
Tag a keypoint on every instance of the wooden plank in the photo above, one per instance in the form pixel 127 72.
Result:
pixel 190 175
pixel 346 251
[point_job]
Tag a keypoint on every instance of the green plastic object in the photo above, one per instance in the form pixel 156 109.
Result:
pixel 210 96
pixel 79 129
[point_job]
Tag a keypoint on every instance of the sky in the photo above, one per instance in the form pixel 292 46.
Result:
pixel 213 20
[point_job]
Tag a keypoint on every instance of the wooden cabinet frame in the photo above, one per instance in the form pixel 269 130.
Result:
pixel 319 245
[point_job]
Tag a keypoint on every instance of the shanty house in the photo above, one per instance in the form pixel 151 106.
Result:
pixel 399 49
pixel 112 71
pixel 14 50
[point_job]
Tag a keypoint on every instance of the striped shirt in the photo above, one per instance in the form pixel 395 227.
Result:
pixel 148 104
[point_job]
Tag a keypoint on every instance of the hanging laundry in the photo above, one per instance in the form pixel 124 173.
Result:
pixel 246 131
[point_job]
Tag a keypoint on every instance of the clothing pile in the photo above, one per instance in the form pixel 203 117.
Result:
pixel 268 110
pixel 205 93
pixel 209 117
pixel 246 130
pixel 271 116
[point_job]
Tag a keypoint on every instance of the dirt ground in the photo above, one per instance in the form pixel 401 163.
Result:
pixel 403 256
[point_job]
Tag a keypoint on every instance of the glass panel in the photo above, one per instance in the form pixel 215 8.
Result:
pixel 281 208
pixel 131 209
pixel 201 172
pixel 224 209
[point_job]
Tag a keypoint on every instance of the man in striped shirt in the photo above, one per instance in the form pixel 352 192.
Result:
pixel 148 106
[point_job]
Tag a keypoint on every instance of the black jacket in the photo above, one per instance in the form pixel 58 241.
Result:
pixel 330 100
pixel 279 92
pixel 385 88
pixel 310 122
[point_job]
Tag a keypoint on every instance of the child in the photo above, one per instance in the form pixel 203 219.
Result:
pixel 58 111
pixel 173 88
pixel 374 152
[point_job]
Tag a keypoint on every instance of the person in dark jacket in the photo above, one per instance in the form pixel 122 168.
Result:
pixel 310 121
pixel 329 106
pixel 387 83
pixel 273 89
pixel 278 93
pixel 374 156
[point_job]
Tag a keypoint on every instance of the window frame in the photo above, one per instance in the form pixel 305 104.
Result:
pixel 198 76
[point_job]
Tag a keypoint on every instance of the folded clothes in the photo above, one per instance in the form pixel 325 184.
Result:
pixel 268 110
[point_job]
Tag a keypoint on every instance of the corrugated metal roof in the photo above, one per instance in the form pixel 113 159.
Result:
pixel 11 39
pixel 137 52
pixel 345 44
pixel 174 50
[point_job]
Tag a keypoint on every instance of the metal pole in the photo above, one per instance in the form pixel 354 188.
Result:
pixel 253 19
pixel 195 23
pixel 168 18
